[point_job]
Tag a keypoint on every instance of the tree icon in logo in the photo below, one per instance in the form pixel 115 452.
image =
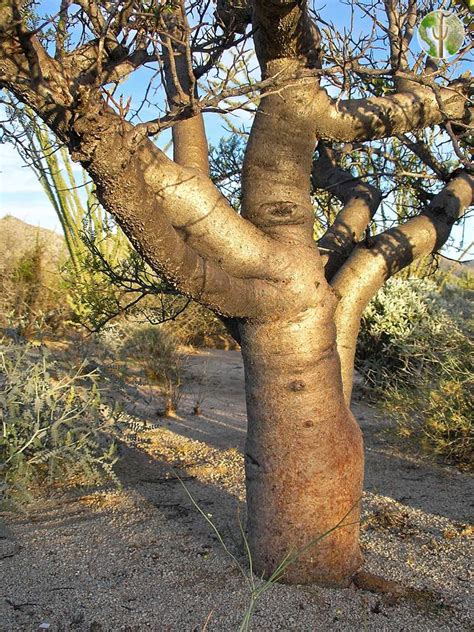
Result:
pixel 441 34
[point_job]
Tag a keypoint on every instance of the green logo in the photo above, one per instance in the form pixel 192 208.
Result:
pixel 441 34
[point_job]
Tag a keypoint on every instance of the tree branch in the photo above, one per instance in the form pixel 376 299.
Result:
pixel 400 33
pixel 234 15
pixel 394 249
pixel 82 63
pixel 206 221
pixel 284 30
pixel 369 267
pixel 188 199
pixel 360 201
pixel 378 117
pixel 189 136
pixel 28 71
pixel 423 152
pixel 114 163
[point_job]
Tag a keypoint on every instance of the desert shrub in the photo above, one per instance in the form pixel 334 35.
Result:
pixel 437 416
pixel 52 426
pixel 415 353
pixel 30 288
pixel 459 292
pixel 464 281
pixel 91 298
pixel 410 329
pixel 110 340
pixel 158 352
pixel 199 327
pixel 108 279
pixel 127 345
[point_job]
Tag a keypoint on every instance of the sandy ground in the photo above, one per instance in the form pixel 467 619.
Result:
pixel 144 558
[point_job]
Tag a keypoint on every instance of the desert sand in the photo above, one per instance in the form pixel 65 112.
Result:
pixel 142 557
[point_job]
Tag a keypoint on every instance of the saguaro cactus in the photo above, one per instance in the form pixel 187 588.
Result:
pixel 440 33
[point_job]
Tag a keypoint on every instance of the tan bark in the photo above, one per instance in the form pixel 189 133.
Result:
pixel 303 456
pixel 284 30
pixel 277 165
pixel 189 136
pixel 380 117
pixel 123 190
pixel 360 201
pixel 401 26
pixel 206 221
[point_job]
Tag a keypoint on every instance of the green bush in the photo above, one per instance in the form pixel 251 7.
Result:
pixel 438 417
pixel 409 329
pixel 52 427
pixel 415 352
pixel 155 348
pixel 125 346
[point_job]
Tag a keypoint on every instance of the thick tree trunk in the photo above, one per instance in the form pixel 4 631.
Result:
pixel 304 453
pixel 304 461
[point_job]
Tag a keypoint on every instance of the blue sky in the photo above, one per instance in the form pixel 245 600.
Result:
pixel 21 194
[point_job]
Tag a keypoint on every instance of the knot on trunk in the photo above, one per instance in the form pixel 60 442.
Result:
pixel 282 212
pixel 297 385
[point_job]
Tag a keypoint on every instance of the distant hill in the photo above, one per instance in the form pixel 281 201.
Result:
pixel 17 238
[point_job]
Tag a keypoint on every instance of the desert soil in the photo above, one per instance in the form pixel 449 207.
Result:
pixel 144 558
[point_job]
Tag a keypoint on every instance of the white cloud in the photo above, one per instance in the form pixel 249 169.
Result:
pixel 15 177
pixel 21 194
pixel 35 213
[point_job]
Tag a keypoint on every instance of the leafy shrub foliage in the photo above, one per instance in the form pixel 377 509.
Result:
pixel 415 350
pixel 156 348
pixel 137 352
pixel 438 416
pixel 52 426
pixel 407 329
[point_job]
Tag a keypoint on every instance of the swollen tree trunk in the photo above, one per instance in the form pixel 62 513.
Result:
pixel 262 269
pixel 304 456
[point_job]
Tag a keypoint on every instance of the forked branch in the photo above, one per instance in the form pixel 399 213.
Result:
pixel 394 249
pixel 189 135
pixel 360 200
pixel 370 266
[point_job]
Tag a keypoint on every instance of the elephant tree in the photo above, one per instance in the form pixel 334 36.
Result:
pixel 294 303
